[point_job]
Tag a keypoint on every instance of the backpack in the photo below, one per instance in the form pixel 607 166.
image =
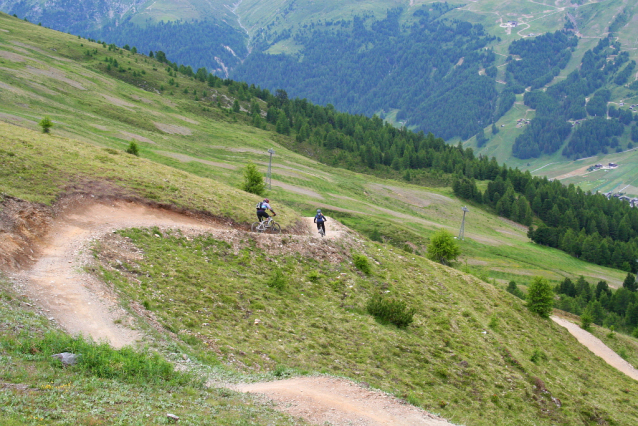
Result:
pixel 260 206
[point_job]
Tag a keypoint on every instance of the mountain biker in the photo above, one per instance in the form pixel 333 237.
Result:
pixel 262 206
pixel 320 220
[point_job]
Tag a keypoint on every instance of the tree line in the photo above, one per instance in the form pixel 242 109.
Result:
pixel 612 309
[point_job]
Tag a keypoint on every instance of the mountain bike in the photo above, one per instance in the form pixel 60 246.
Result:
pixel 268 226
pixel 322 232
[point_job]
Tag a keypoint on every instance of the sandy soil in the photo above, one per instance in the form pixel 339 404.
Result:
pixel 595 345
pixel 327 400
pixel 74 298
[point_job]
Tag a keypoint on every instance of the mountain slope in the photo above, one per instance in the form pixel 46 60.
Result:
pixel 473 353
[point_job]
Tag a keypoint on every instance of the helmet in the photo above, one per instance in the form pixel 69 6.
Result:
pixel 266 200
pixel 318 210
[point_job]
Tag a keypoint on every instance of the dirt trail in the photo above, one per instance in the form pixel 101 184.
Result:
pixel 327 400
pixel 80 303
pixel 73 298
pixel 334 230
pixel 595 345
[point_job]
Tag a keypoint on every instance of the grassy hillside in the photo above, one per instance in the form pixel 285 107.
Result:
pixel 90 104
pixel 474 354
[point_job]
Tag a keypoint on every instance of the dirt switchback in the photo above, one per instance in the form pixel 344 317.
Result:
pixel 75 299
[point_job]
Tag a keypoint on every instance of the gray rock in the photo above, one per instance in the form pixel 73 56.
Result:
pixel 172 417
pixel 67 358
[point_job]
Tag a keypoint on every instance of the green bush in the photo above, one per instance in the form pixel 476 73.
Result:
pixel 538 356
pixel 277 280
pixel 361 262
pixel 388 309
pixel 133 149
pixel 46 124
pixel 443 248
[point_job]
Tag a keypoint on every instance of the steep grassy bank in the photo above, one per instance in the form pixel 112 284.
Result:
pixel 473 354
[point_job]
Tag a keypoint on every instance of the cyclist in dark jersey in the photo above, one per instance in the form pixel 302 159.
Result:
pixel 320 220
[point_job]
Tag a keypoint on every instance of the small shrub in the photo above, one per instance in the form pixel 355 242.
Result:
pixel 277 281
pixel 388 309
pixel 443 248
pixel 493 324
pixel 46 124
pixel 362 263
pixel 538 356
pixel 133 149
pixel 315 276
pixel 147 305
pixel 622 352
pixel 281 371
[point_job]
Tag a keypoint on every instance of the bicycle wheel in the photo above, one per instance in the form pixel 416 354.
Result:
pixel 255 227
pixel 274 228
pixel 322 232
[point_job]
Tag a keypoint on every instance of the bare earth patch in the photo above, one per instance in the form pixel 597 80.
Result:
pixel 186 119
pixel 187 159
pixel 173 129
pixel 13 57
pixel 328 400
pixel 413 197
pixel 141 99
pixel 297 189
pixel 118 102
pixel 578 172
pixel 128 136
pixel 56 75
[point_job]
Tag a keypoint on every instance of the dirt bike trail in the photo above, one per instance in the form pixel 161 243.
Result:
pixel 328 400
pixel 73 298
pixel 334 230
pixel 80 303
pixel 595 345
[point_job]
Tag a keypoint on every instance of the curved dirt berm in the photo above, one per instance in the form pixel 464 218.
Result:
pixel 327 400
pixel 79 302
pixel 595 345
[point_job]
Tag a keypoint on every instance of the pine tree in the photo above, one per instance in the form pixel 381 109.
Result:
pixel 253 180
pixel 540 297
pixel 630 282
